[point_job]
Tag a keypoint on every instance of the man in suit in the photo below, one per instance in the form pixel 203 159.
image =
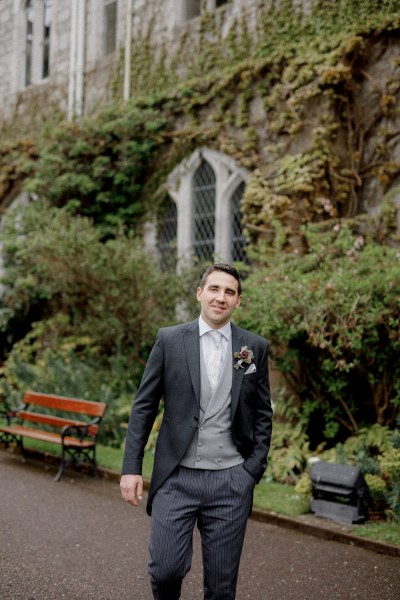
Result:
pixel 213 442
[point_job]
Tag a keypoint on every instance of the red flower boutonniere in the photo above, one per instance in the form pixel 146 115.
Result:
pixel 245 355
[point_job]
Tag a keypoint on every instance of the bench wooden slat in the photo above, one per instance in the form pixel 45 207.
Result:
pixel 54 421
pixel 85 407
pixel 46 436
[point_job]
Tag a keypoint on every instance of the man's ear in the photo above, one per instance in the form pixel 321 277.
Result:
pixel 199 292
pixel 238 301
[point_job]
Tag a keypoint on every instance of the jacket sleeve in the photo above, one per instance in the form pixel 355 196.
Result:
pixel 144 410
pixel 256 463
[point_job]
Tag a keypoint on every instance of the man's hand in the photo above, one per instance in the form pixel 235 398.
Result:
pixel 131 488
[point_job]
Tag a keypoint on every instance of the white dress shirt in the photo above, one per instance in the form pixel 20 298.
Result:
pixel 207 343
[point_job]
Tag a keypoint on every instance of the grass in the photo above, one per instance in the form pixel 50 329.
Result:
pixel 271 496
pixel 280 498
pixel 384 532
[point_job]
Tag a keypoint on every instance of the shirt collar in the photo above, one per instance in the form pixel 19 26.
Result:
pixel 226 330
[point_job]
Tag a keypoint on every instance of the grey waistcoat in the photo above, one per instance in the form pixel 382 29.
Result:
pixel 212 446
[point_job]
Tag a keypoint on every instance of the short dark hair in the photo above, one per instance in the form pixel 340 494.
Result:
pixel 225 268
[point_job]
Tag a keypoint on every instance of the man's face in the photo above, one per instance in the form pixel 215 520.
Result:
pixel 218 299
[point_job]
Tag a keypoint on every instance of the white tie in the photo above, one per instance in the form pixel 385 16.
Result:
pixel 214 360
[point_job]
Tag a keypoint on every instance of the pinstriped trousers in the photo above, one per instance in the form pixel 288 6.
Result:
pixel 220 503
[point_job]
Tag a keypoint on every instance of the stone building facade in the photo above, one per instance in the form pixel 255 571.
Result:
pixel 71 48
pixel 54 47
pixel 66 53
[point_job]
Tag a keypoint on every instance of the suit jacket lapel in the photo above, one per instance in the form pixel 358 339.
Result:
pixel 238 340
pixel 192 348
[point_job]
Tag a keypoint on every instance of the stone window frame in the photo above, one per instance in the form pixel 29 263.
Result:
pixel 38 43
pixel 229 175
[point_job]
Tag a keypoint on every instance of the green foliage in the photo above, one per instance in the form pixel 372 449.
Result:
pixel 289 450
pixel 304 485
pixel 388 532
pixel 289 443
pixel 98 167
pixel 109 296
pixel 333 320
pixel 378 491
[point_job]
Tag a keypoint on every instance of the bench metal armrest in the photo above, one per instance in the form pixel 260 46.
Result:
pixel 12 413
pixel 81 431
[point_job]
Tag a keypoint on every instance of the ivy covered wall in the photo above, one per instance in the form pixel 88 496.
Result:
pixel 307 101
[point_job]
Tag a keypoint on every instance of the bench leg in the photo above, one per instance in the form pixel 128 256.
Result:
pixel 94 463
pixel 61 467
pixel 74 454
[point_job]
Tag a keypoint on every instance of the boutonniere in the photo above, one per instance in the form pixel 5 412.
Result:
pixel 245 355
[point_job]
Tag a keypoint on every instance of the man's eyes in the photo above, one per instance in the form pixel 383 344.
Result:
pixel 228 292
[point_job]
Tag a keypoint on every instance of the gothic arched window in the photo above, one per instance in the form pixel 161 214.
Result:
pixel 207 188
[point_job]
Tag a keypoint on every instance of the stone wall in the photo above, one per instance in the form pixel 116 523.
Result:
pixel 166 17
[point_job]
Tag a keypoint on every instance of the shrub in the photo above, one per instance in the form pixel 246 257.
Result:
pixel 90 310
pixel 378 491
pixel 112 295
pixel 304 485
pixel 333 320
pixel 99 166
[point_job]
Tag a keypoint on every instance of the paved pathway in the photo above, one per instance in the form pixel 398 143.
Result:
pixel 77 540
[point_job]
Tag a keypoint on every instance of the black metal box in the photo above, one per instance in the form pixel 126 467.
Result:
pixel 340 493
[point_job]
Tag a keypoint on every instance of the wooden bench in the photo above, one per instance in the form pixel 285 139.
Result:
pixel 76 436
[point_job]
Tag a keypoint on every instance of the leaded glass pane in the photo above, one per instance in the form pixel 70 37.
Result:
pixel 239 242
pixel 166 240
pixel 111 27
pixel 192 9
pixel 28 41
pixel 47 18
pixel 203 232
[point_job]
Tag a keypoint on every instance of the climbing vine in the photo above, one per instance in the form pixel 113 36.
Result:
pixel 307 101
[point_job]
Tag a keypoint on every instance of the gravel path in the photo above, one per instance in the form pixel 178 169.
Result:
pixel 77 540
